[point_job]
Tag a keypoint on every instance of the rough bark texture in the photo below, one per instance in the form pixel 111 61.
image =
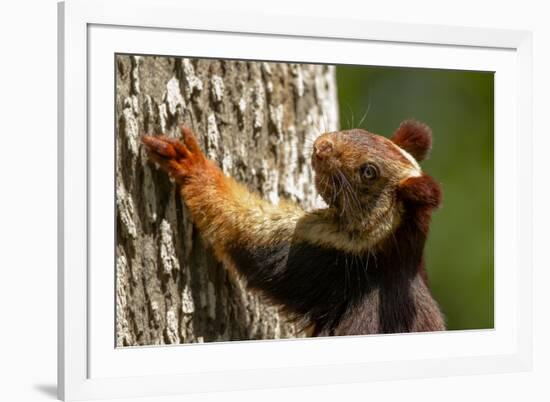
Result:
pixel 258 121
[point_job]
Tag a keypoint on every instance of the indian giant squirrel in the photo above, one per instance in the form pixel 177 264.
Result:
pixel 355 267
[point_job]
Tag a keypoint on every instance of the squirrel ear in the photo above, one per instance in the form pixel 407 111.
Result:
pixel 420 190
pixel 414 137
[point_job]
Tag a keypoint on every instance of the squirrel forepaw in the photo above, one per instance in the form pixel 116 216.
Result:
pixel 176 158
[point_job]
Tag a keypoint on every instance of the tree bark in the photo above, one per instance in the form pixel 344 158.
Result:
pixel 258 121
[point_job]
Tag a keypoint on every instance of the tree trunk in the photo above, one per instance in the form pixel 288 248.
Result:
pixel 258 121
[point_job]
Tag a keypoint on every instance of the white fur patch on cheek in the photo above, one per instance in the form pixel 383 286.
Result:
pixel 414 173
pixel 415 170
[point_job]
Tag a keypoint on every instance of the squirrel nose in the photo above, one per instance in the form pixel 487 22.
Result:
pixel 323 148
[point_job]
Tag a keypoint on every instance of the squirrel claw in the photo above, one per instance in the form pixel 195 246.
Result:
pixel 160 146
pixel 190 140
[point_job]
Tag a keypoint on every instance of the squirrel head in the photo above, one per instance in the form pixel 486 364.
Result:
pixel 369 179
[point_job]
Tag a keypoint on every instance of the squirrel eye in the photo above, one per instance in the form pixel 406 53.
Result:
pixel 369 171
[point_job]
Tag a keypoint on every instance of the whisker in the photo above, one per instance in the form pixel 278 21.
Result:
pixel 347 117
pixel 333 187
pixel 351 191
pixel 339 188
pixel 365 115
pixel 375 260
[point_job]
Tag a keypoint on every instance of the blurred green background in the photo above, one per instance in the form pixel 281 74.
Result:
pixel 458 106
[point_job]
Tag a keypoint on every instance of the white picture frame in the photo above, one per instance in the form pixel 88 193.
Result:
pixel 89 365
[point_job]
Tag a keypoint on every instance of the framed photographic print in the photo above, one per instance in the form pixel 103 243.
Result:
pixel 252 202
